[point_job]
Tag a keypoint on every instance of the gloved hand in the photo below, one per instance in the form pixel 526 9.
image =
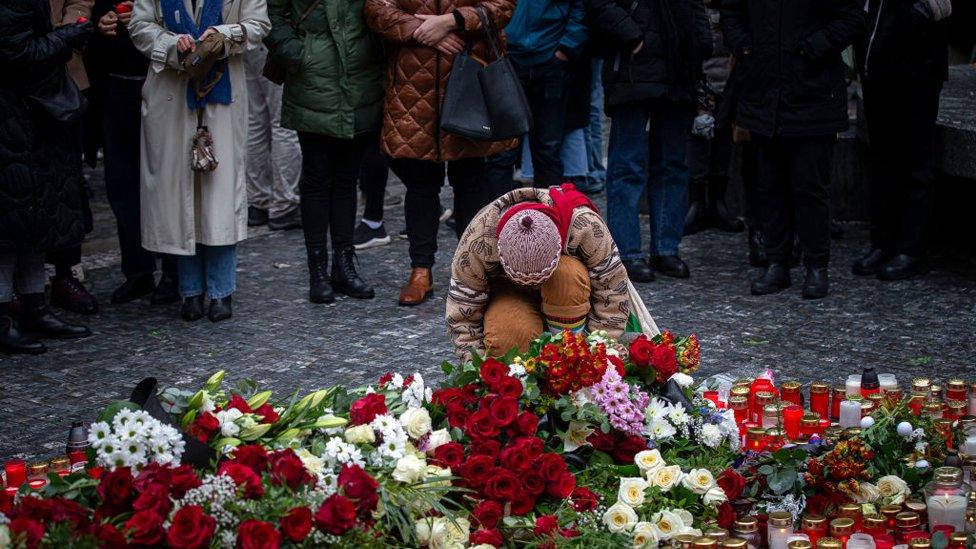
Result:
pixel 76 34
pixel 704 126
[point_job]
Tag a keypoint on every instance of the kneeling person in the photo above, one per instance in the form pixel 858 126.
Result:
pixel 532 259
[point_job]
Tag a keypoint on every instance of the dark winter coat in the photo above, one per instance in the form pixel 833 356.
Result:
pixel 902 43
pixel 789 74
pixel 676 39
pixel 40 160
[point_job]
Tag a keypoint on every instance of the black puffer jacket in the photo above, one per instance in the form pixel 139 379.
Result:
pixel 903 43
pixel 40 161
pixel 789 74
pixel 676 39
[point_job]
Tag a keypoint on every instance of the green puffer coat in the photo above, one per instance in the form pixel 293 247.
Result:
pixel 335 67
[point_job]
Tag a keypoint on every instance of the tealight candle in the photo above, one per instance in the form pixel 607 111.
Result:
pixel 16 471
pixel 820 399
pixel 37 475
pixel 790 392
pixel 791 421
pixel 853 385
pixel 779 529
pixel 888 382
pixel 860 541
pixel 850 414
pixel 955 389
pixel 837 395
pixel 946 498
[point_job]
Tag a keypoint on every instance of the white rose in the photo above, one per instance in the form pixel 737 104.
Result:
pixel 667 524
pixel 437 438
pixel 698 481
pixel 446 535
pixel 893 489
pixel 409 469
pixel 434 471
pixel 631 491
pixel 416 422
pixel 620 517
pixel 866 493
pixel 683 380
pixel 645 535
pixel 715 496
pixel 649 461
pixel 360 434
pixel 423 528
pixel 685 516
pixel 666 477
pixel 229 429
pixel 4 536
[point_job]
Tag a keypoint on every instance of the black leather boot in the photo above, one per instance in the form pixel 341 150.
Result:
pixel 638 270
pixel 37 319
pixel 167 291
pixel 903 267
pixel 796 255
pixel 718 211
pixel 757 246
pixel 670 265
pixel 134 288
pixel 776 277
pixel 319 290
pixel 220 309
pixel 345 279
pixel 12 340
pixel 871 262
pixel 816 285
pixel 696 218
pixel 192 308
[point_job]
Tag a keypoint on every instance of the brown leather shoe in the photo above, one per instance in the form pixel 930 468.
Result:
pixel 419 287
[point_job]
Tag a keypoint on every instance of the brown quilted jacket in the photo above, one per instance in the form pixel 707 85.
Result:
pixel 417 76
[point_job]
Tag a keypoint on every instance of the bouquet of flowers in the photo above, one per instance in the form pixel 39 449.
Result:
pixel 664 355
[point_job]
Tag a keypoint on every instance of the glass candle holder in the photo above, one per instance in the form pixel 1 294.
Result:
pixel 889 512
pixel 755 439
pixel 936 393
pixel 809 426
pixel 790 392
pixel 885 541
pixel 955 409
pixel 814 526
pixel 972 398
pixel 921 385
pixel 907 523
pixel 779 529
pixel 717 534
pixel 774 440
pixel 60 466
pixel 920 543
pixel 851 511
pixel 704 542
pixel 16 472
pixel 850 414
pixel 958 540
pixel 955 389
pixel 874 525
pixel 842 528
pixel 37 475
pixel 933 410
pixel 792 416
pixel 734 543
pixel 853 385
pixel 740 407
pixel 837 395
pixel 683 541
pixel 747 528
pixel 860 541
pixel 820 399
pixel 946 498
pixel 799 544
pixel 770 416
pixel 916 402
pixel 887 382
pixel 828 542
pixel 761 400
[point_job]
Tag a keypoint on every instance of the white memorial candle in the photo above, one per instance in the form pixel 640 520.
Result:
pixel 850 414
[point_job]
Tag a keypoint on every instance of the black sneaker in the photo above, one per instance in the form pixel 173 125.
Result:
pixel 291 220
pixel 367 237
pixel 256 216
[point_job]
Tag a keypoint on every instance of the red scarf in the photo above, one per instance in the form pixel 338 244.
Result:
pixel 565 200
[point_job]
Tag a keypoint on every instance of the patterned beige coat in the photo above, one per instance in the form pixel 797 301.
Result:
pixel 476 263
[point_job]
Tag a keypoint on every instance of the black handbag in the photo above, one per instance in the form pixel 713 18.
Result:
pixel 57 95
pixel 464 112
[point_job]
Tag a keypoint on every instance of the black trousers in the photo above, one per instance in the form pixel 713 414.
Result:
pixel 330 167
pixel 372 180
pixel 793 178
pixel 424 180
pixel 750 191
pixel 901 115
pixel 120 127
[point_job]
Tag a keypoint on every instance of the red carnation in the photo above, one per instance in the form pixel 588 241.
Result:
pixel 115 487
pixel 287 469
pixel 337 515
pixel 27 530
pixel 509 387
pixel 545 525
pixel 732 483
pixel 257 534
pixel 246 480
pixel 154 499
pixel 487 537
pixel 450 454
pixel 237 402
pixel 502 484
pixel 267 413
pixel 360 486
pixel 487 513
pixel 477 469
pixel 145 528
pixel 385 378
pixel 253 456
pixel 297 524
pixel 641 351
pixel 584 499
pixel 618 365
pixel 367 408
pixel 191 528
pixel 527 423
pixel 493 372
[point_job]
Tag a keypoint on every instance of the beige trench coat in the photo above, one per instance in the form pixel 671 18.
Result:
pixel 182 208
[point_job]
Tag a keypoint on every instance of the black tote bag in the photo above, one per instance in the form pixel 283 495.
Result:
pixel 508 108
pixel 464 112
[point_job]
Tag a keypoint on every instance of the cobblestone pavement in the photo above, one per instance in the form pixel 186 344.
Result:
pixel 278 338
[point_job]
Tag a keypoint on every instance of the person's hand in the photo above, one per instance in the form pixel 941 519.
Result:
pixel 637 48
pixel 125 16
pixel 107 24
pixel 185 44
pixel 561 56
pixel 433 29
pixel 207 33
pixel 451 44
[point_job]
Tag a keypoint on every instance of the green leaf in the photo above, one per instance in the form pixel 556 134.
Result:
pixel 447 368
pixel 766 470
pixel 939 541
pixel 213 383
pixel 109 411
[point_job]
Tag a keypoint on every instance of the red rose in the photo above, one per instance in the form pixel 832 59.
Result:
pixel 481 425
pixel 523 505
pixel 569 532
pixel 486 447
pixel 26 530
pixel 360 486
pixel 252 455
pixel 204 427
pixel 477 469
pixel 665 362
pixel 237 402
pixel 450 454
pixel 504 410
pixel 533 482
pixel 297 524
pixel 487 537
pixel 367 408
pixel 248 483
pixel 337 515
pixel 625 449
pixel 641 350
pixel 190 528
pixel 563 486
pixel 35 508
pixel 603 442
pixel 487 513
pixel 182 480
pixel 509 387
pixel 584 500
pixel 257 534
pixel 515 458
pixel 154 499
pixel 65 510
pixel 446 396
pixel 551 466
pixel 618 365
pixel 527 423
pixel 457 415
pixel 532 445
pixel 545 525
pixel 502 484
pixel 115 488
pixel 726 515
pixel 493 371
pixel 109 537
pixel 732 483
pixel 145 528
pixel 287 469
pixel 267 413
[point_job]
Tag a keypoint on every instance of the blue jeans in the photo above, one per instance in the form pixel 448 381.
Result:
pixel 655 160
pixel 212 268
pixel 594 132
pixel 573 154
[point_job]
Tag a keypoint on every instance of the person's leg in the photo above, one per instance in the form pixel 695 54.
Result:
pixel 423 181
pixel 67 292
pixel 35 317
pixel 548 104
pixel 575 166
pixel 348 159
pixel 775 213
pixel 220 272
pixel 191 272
pixel 566 296
pixel 670 123
pixel 525 164
pixel 884 117
pixel 699 150
pixel 512 319
pixel 372 180
pixel 8 265
pixel 285 154
pixel 317 172
pixel 499 171
pixel 626 178
pixel 809 174
pixel 467 177
pixel 718 182
pixel 594 132
pixel 12 339
pixel 258 173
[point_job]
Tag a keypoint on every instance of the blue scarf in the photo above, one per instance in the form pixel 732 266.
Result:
pixel 180 21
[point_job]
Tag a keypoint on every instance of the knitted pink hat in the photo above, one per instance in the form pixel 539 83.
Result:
pixel 529 247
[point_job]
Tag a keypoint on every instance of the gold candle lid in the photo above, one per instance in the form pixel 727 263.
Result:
pixel 765 397
pixel 746 524
pixel 907 519
pixel 868 406
pixel 780 519
pixel 771 410
pixel 921 384
pixel 957 406
pixel 849 510
pixel 876 398
pixel 956 384
pixel 57 464
pixel 684 540
pixel 799 544
pixel 958 538
pixel 791 386
pixel 839 393
pixel 37 469
pixel 916 506
pixel 972 386
pixel 738 402
pixel 814 522
pixel 933 408
pixel 717 534
pixel 890 510
pixel 843 526
pixel 808 421
pixel 819 387
pixel 851 432
pixel 948 476
pixel 775 433
pixel 742 381
pixel 920 543
pixel 874 521
pixel 734 543
pixel 704 543
pixel 756 432
pixel 829 543
pixel 935 392
pixel 740 390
